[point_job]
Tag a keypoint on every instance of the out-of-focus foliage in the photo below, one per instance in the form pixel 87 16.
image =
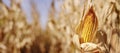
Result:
pixel 15 32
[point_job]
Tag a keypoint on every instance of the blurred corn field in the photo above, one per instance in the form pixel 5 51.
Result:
pixel 81 26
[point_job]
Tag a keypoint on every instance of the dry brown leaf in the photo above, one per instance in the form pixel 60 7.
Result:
pixel 91 48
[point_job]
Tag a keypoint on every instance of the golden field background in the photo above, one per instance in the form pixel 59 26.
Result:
pixel 18 36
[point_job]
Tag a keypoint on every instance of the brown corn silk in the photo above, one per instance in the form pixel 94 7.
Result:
pixel 87 28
